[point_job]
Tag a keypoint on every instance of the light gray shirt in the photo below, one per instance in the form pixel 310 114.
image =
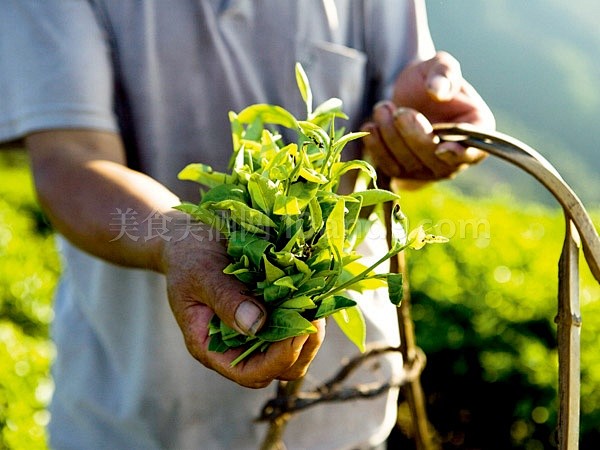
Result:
pixel 164 74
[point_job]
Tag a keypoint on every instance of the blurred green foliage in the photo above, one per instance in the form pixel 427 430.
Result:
pixel 483 305
pixel 29 268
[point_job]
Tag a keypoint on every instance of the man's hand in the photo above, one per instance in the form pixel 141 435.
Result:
pixel 198 288
pixel 401 139
pixel 81 179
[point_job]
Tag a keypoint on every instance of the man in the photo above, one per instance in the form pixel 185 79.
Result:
pixel 113 98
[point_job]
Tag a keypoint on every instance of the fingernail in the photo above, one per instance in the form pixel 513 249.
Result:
pixel 400 110
pixel 384 107
pixel 414 122
pixel 368 127
pixel 440 87
pixel 248 317
pixel 381 103
pixel 424 124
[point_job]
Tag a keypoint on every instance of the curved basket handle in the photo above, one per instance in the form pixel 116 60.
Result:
pixel 578 227
pixel 525 157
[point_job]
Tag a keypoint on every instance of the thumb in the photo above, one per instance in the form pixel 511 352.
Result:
pixel 440 87
pixel 195 278
pixel 444 77
pixel 227 297
pixel 249 317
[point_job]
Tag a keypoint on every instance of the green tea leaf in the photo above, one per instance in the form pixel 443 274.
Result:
pixel 285 323
pixel 236 341
pixel 372 197
pixel 238 159
pixel 349 258
pixel 302 267
pixel 340 143
pixel 262 192
pixel 366 280
pixel 329 108
pixel 268 141
pixel 236 133
pixel 320 259
pixel 253 228
pixel 240 272
pixel 286 206
pixel 312 285
pixel 227 332
pixel 216 344
pixel 334 227
pixel 304 87
pixel 316 215
pixel 399 226
pixel 367 284
pixel 203 174
pixel 280 173
pixel 335 272
pixel 225 192
pixel 315 132
pixel 310 174
pixel 214 326
pixel 254 130
pixel 281 159
pixel 287 281
pixel 273 292
pixel 333 304
pixel 418 238
pixel 284 258
pixel 341 168
pixel 268 114
pixel 273 272
pixel 304 192
pixel 205 216
pixel 253 247
pixel 395 288
pixel 353 207
pixel 352 323
pixel 231 337
pixel 299 303
pixel 244 214
pixel 354 268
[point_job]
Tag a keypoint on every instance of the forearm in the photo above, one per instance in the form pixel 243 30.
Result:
pixel 95 201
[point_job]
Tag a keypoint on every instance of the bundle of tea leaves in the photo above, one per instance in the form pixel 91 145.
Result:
pixel 290 234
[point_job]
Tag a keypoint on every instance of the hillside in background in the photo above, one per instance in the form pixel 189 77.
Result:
pixel 537 63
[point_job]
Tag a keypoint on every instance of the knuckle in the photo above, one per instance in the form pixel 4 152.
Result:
pixel 256 384
pixel 293 374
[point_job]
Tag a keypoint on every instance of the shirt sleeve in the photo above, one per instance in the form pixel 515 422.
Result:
pixel 56 70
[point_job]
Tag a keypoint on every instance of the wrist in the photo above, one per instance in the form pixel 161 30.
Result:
pixel 181 234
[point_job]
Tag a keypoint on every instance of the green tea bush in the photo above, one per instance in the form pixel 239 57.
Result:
pixel 29 268
pixel 484 307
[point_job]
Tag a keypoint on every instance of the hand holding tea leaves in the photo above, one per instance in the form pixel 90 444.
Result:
pixel 291 236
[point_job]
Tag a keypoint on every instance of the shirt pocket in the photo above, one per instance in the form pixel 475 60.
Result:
pixel 335 70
